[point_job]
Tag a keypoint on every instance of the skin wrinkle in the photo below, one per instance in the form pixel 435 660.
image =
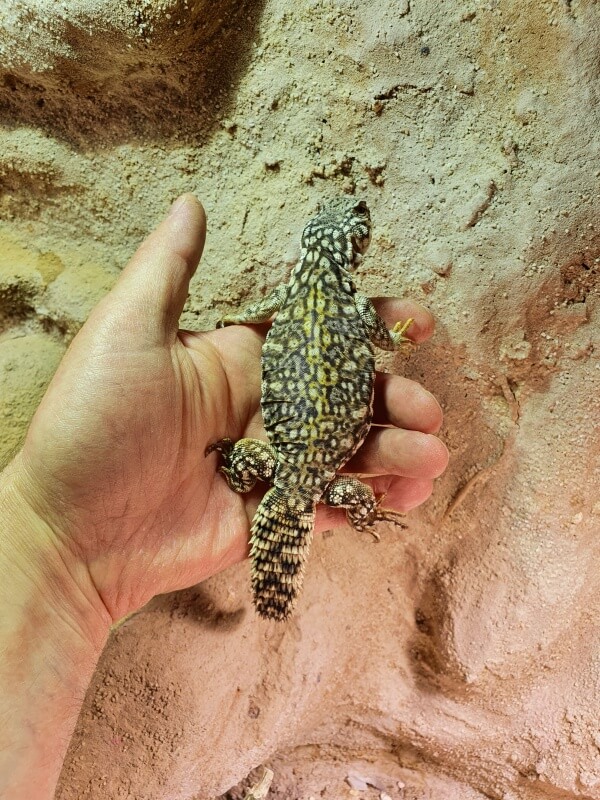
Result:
pixel 49 552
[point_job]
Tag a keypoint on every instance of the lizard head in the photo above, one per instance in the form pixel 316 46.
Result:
pixel 342 228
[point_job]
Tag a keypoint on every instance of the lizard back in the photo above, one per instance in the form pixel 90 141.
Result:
pixel 318 372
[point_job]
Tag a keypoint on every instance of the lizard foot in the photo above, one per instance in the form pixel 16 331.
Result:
pixel 385 515
pixel 224 446
pixel 362 507
pixel 398 331
pixel 244 462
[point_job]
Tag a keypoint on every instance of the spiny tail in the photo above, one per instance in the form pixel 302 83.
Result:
pixel 281 531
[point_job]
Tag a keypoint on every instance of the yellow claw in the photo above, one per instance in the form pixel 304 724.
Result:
pixel 401 327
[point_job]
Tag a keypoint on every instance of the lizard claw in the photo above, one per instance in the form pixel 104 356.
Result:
pixel 388 515
pixel 401 327
pixel 398 332
pixel 222 446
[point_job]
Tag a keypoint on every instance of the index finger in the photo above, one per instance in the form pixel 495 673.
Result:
pixel 392 310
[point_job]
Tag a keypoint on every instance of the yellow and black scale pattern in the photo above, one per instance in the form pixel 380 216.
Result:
pixel 318 372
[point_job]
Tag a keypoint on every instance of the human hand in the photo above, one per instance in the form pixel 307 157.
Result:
pixel 114 462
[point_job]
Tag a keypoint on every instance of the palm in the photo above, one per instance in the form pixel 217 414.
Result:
pixel 130 460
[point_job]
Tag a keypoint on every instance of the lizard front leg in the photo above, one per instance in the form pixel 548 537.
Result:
pixel 245 462
pixel 362 507
pixel 261 311
pixel 377 329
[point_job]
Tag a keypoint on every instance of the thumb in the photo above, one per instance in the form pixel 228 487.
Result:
pixel 154 285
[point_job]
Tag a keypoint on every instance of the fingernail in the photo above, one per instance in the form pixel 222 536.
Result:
pixel 177 205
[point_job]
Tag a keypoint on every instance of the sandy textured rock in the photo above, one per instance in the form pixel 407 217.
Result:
pixel 458 659
pixel 27 364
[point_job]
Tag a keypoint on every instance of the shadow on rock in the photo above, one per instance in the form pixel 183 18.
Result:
pixel 105 81
pixel 202 607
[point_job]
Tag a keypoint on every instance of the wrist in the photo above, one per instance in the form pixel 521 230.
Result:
pixel 52 629
pixel 37 562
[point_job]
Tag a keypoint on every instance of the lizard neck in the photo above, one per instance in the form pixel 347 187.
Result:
pixel 328 269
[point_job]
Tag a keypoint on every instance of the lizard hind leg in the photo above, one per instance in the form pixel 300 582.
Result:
pixel 362 507
pixel 245 462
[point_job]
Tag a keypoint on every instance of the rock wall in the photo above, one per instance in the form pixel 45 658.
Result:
pixel 458 659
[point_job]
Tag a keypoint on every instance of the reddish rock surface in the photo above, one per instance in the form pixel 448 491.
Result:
pixel 457 660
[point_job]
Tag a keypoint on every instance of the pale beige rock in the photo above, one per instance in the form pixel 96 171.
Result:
pixel 27 364
pixel 457 661
pixel 75 291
